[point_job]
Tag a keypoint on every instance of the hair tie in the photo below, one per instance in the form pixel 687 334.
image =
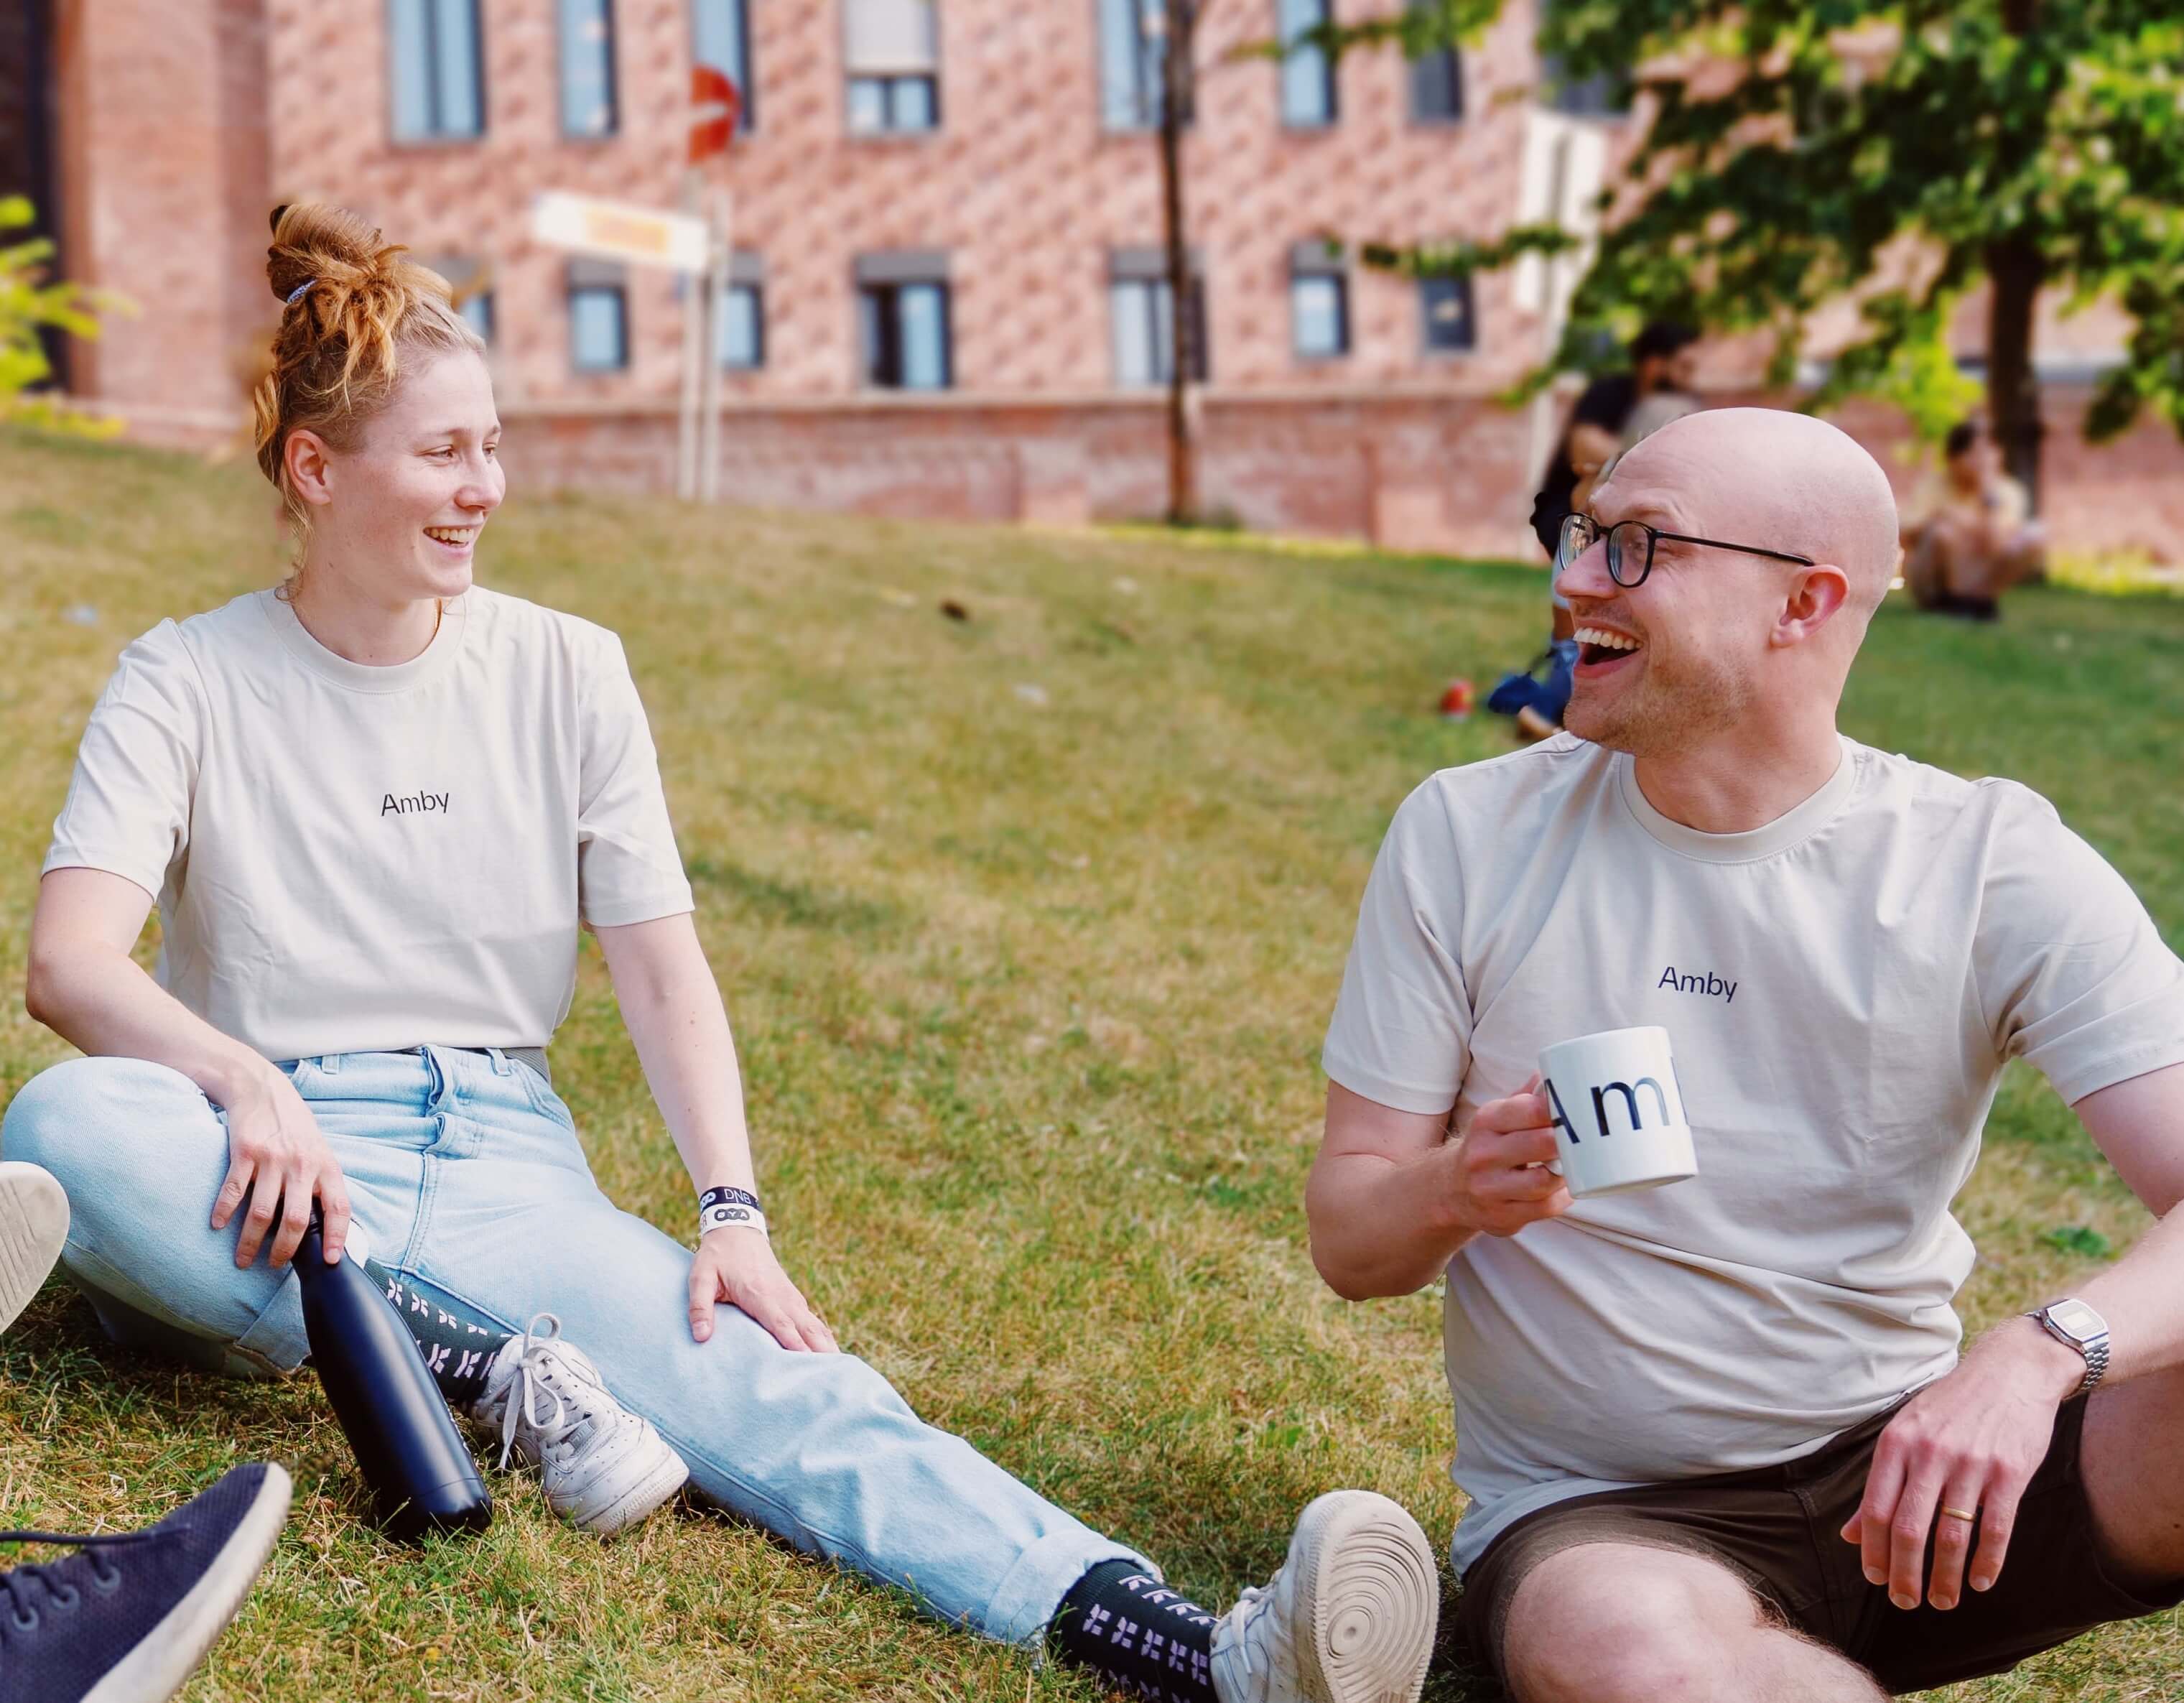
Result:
pixel 296 294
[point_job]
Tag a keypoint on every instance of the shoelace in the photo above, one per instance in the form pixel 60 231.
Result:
pixel 1256 1602
pixel 540 1370
pixel 15 1582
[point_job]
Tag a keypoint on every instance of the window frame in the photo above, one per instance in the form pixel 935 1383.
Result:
pixel 435 134
pixel 610 52
pixel 880 280
pixel 1329 82
pixel 740 74
pixel 489 333
pixel 1146 269
pixel 890 83
pixel 755 288
pixel 1452 57
pixel 890 86
pixel 1310 262
pixel 619 289
pixel 1439 351
pixel 1147 91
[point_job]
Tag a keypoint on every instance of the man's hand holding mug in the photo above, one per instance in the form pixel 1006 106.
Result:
pixel 1502 1182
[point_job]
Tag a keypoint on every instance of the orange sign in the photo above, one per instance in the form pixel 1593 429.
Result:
pixel 716 104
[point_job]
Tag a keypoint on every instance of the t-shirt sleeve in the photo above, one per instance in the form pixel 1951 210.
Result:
pixel 1402 1030
pixel 2073 976
pixel 128 806
pixel 627 867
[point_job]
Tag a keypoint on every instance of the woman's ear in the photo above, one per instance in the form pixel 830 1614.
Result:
pixel 309 468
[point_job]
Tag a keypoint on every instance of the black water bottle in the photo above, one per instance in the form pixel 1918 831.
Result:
pixel 421 1474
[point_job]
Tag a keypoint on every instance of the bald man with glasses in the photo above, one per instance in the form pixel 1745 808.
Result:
pixel 1719 1439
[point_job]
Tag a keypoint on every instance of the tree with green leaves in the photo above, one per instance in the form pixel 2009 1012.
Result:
pixel 27 303
pixel 1801 152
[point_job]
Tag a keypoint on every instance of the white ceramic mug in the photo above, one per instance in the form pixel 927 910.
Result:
pixel 1617 1112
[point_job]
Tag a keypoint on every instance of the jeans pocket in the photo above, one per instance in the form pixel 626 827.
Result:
pixel 544 1100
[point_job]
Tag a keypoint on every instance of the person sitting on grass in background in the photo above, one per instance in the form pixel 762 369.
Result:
pixel 376 805
pixel 1718 1438
pixel 1613 411
pixel 129 1617
pixel 1968 534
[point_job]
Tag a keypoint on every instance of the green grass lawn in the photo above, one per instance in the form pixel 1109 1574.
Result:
pixel 1029 927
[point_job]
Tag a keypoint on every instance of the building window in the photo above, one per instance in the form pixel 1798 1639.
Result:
pixel 891 51
pixel 1444 315
pixel 720 36
pixel 599 317
pixel 1319 302
pixel 1142 318
pixel 739 342
pixel 1308 72
pixel 1436 84
pixel 743 327
pixel 436 70
pixel 903 320
pixel 1130 70
pixel 477 310
pixel 1598 96
pixel 588 68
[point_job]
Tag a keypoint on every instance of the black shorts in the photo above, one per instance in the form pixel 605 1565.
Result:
pixel 1778 1528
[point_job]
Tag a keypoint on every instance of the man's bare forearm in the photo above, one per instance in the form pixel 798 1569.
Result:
pixel 1381 1226
pixel 105 1004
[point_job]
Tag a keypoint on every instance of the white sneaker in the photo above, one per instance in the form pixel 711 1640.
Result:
pixel 1349 1618
pixel 603 1467
pixel 34 1221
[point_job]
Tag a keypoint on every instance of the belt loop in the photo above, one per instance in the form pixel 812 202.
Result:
pixel 501 1067
pixel 330 1062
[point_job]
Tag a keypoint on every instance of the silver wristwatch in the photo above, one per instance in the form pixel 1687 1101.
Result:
pixel 2074 1322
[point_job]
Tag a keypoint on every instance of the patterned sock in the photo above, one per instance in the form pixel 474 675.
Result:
pixel 457 1343
pixel 1123 1623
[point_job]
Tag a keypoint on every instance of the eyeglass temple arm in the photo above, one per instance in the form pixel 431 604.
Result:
pixel 1745 549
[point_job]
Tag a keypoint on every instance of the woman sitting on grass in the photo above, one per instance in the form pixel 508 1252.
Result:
pixel 375 805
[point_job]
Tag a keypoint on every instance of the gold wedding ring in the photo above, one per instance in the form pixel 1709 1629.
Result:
pixel 1959 1514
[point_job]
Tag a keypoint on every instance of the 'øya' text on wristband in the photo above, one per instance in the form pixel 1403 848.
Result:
pixel 729 1207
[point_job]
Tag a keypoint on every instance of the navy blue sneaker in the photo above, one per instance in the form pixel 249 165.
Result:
pixel 129 1618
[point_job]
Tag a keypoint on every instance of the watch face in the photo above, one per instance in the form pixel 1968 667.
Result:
pixel 2077 1318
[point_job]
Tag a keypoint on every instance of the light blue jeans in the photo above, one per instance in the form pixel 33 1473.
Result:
pixel 465 1172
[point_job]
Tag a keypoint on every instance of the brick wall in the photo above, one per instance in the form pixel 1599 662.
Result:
pixel 181 121
pixel 1020 185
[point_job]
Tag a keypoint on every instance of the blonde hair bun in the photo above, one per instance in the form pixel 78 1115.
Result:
pixel 337 353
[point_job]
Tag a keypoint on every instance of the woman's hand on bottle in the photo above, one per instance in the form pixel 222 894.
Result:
pixel 278 1156
pixel 737 1265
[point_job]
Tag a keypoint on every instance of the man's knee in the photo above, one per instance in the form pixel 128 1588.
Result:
pixel 1622 1624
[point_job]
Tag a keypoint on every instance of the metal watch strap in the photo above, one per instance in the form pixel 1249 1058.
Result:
pixel 2094 1349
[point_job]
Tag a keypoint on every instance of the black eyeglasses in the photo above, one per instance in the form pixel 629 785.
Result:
pixel 1632 542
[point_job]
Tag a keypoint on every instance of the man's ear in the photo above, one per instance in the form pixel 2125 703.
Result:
pixel 309 468
pixel 1814 598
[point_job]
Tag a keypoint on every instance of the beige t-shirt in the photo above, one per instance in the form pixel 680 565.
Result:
pixel 351 858
pixel 1840 988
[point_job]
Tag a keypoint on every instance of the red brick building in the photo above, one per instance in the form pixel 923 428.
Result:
pixel 946 221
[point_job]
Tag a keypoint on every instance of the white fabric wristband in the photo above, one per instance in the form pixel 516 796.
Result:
pixel 729 1209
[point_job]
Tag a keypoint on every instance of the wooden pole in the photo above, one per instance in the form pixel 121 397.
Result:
pixel 694 331
pixel 720 209
pixel 1176 97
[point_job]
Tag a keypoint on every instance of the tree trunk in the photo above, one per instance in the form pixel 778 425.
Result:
pixel 2014 272
pixel 1176 95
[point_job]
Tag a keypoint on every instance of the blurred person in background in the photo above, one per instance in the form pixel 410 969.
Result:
pixel 1968 532
pixel 1613 412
